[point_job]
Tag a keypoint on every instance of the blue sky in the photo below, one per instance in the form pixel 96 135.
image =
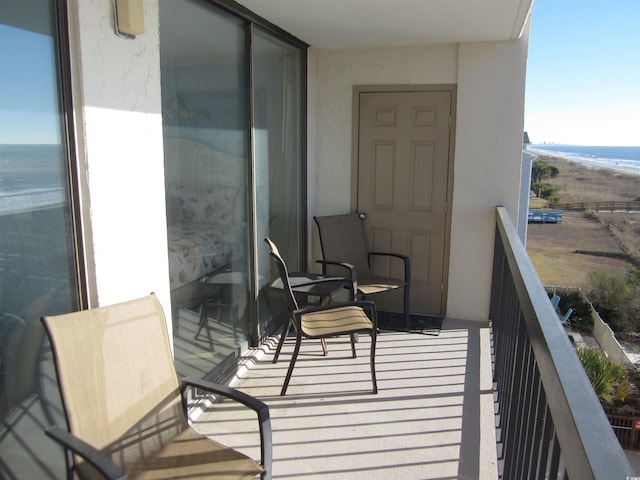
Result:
pixel 583 77
pixel 583 72
pixel 28 94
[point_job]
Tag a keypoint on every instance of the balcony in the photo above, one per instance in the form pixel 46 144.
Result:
pixel 476 401
pixel 434 404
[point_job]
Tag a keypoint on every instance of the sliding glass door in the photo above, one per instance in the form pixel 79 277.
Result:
pixel 233 175
pixel 38 269
pixel 279 169
pixel 204 85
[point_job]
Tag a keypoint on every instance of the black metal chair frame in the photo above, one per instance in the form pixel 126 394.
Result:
pixel 296 320
pixel 353 274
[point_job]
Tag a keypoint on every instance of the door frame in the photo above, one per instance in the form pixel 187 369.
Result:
pixel 355 132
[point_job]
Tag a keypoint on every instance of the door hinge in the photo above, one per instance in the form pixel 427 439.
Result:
pixel 450 121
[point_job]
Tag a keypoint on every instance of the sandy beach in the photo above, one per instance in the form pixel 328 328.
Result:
pixel 620 167
pixel 591 181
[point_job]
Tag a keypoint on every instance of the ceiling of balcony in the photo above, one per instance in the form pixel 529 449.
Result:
pixel 360 23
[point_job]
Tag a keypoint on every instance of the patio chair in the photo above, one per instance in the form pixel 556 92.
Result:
pixel 565 319
pixel 310 289
pixel 555 301
pixel 343 244
pixel 324 321
pixel 126 410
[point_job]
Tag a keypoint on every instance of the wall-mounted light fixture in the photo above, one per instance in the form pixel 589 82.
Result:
pixel 129 18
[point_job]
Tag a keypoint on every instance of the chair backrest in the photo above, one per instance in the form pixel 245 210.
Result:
pixel 342 239
pixel 565 318
pixel 555 300
pixel 292 304
pixel 20 347
pixel 117 380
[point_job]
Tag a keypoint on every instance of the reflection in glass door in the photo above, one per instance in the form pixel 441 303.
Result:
pixel 202 55
pixel 233 174
pixel 277 153
pixel 38 271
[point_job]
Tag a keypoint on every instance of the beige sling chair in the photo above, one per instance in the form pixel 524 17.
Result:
pixel 325 321
pixel 343 245
pixel 124 405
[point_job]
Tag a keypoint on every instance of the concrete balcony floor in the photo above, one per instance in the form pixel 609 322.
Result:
pixel 433 417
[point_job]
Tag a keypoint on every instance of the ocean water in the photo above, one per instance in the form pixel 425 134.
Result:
pixel 620 158
pixel 31 177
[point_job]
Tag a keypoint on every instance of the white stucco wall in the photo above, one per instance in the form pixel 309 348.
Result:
pixel 117 96
pixel 491 82
pixel 490 111
pixel 117 86
pixel 337 71
pixel 332 76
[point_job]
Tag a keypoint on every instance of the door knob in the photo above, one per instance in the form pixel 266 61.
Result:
pixel 362 215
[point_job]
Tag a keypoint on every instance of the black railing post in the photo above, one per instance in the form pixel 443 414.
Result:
pixel 552 423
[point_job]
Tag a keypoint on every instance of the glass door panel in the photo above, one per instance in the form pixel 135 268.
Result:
pixel 38 271
pixel 278 163
pixel 204 111
pixel 234 175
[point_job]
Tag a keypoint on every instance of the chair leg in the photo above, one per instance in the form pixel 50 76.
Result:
pixel 285 332
pixel 326 301
pixel 294 356
pixel 323 342
pixel 407 313
pixel 373 360
pixel 204 322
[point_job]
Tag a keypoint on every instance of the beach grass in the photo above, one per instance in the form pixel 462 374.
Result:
pixel 578 182
pixel 606 236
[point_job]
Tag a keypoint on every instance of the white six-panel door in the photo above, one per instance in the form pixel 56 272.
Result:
pixel 403 182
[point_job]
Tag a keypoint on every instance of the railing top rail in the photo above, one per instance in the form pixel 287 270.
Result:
pixel 590 448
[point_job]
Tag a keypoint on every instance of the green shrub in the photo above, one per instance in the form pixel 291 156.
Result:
pixel 545 190
pixel 617 299
pixel 541 170
pixel 609 380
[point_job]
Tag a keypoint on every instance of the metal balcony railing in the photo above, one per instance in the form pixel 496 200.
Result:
pixel 550 422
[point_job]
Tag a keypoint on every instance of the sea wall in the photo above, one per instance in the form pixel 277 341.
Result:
pixel 607 340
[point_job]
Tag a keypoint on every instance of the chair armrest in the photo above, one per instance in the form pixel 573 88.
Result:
pixel 261 408
pixel 90 454
pixel 404 258
pixel 253 403
pixel 350 268
pixel 347 281
pixel 293 280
